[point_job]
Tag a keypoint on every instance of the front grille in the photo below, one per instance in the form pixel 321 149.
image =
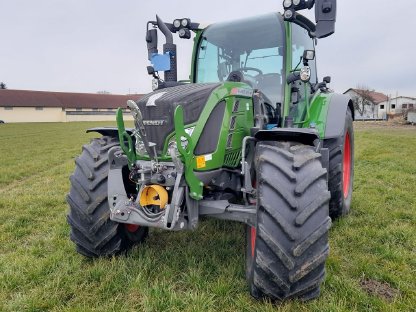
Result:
pixel 232 159
pixel 236 106
pixel 233 122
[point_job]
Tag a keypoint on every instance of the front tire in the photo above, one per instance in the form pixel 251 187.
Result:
pixel 92 231
pixel 287 249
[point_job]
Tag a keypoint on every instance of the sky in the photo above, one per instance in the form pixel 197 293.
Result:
pixel 95 45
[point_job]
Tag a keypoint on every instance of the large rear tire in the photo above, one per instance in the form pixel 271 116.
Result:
pixel 341 169
pixel 92 231
pixel 287 249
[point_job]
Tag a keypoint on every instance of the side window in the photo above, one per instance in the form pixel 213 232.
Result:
pixel 301 42
pixel 209 53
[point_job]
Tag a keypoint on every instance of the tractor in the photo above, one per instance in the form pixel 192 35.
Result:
pixel 253 136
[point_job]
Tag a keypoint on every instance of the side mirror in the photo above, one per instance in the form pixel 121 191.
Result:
pixel 151 39
pixel 327 79
pixel 325 15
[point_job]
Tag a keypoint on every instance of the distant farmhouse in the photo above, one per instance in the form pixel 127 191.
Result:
pixel 41 106
pixel 371 105
pixel 366 103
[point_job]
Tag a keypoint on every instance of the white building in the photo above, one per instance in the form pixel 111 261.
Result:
pixel 397 105
pixel 367 104
pixel 41 106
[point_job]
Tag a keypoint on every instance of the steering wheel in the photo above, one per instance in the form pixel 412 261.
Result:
pixel 251 68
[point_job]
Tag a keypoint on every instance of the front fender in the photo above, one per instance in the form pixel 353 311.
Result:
pixel 108 131
pixel 335 120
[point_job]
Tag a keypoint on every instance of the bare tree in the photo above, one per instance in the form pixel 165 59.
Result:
pixel 363 99
pixel 103 92
pixel 3 85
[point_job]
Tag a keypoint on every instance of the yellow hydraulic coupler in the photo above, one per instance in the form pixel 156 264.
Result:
pixel 154 195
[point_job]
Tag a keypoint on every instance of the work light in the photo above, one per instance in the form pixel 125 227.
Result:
pixel 185 22
pixel 288 14
pixel 177 23
pixel 287 4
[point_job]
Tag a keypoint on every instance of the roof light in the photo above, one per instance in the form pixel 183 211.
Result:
pixel 287 4
pixel 177 23
pixel 288 14
pixel 185 22
pixel 184 33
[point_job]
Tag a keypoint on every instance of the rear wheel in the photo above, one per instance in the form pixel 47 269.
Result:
pixel 288 247
pixel 341 169
pixel 92 231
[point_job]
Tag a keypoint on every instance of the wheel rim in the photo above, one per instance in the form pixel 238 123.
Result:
pixel 253 240
pixel 347 165
pixel 132 227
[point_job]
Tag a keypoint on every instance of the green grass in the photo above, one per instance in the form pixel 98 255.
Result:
pixel 201 270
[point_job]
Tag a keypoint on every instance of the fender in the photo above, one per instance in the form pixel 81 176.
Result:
pixel 300 135
pixel 335 120
pixel 108 131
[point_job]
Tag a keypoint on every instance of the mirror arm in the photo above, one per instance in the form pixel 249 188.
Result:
pixel 303 22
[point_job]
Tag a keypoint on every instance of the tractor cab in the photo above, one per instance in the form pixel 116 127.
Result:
pixel 249 50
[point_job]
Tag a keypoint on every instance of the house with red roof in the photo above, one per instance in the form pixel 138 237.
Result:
pixel 368 104
pixel 42 106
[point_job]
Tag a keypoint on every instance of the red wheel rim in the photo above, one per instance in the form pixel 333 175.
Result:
pixel 253 240
pixel 132 227
pixel 346 175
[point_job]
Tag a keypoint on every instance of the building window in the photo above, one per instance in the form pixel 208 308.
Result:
pixel 39 108
pixel 8 108
pixel 393 106
pixel 404 106
pixel 410 105
pixel 78 109
pixel 381 106
pixel 95 109
pixel 110 109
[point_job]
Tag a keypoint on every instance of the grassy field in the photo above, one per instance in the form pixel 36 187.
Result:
pixel 371 267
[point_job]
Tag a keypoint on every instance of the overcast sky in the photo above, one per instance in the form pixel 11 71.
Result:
pixel 93 45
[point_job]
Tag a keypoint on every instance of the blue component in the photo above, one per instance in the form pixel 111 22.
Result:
pixel 271 126
pixel 161 62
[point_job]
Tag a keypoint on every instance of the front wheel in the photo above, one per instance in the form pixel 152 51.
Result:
pixel 288 247
pixel 92 231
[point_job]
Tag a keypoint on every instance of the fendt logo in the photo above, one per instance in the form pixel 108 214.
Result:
pixel 154 122
pixel 152 100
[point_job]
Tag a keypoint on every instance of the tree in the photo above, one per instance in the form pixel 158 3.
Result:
pixel 3 85
pixel 103 92
pixel 363 99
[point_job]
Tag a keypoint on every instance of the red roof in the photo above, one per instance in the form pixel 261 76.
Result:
pixel 377 97
pixel 25 98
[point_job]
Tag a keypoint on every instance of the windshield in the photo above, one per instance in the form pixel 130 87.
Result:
pixel 254 47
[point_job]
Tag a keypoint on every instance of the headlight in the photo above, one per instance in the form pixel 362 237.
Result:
pixel 296 2
pixel 305 74
pixel 184 141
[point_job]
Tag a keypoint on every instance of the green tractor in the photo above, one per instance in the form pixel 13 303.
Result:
pixel 253 137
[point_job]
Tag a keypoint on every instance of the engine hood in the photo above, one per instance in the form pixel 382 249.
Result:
pixel 158 109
